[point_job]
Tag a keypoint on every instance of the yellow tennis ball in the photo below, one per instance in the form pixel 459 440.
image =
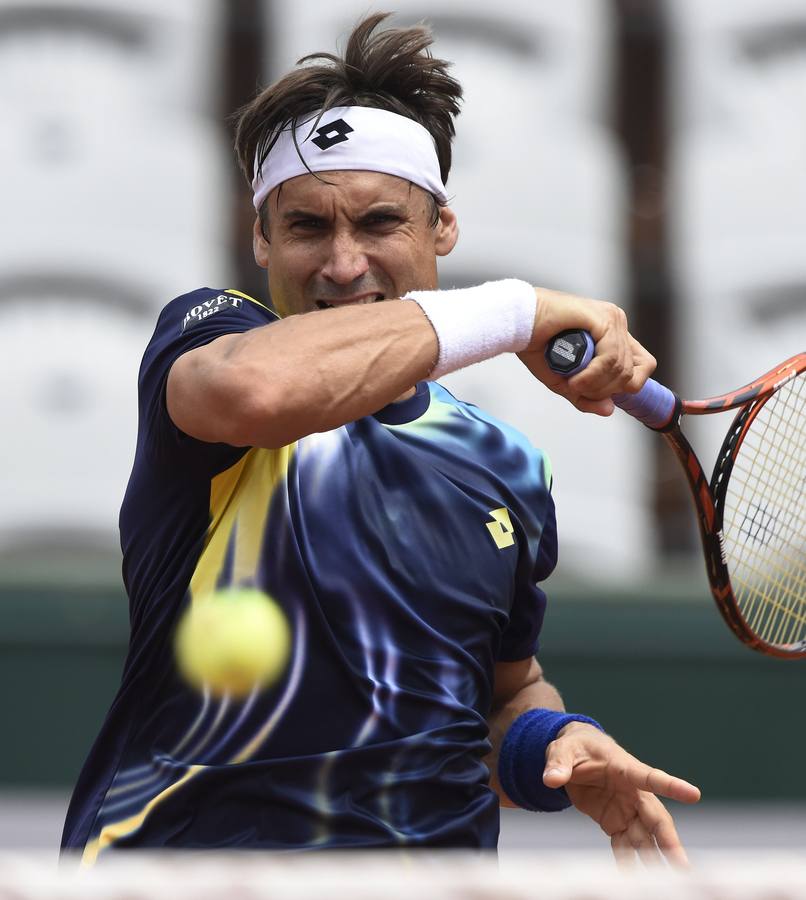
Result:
pixel 233 641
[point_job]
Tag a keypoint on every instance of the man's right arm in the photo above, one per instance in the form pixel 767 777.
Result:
pixel 269 386
pixel 272 385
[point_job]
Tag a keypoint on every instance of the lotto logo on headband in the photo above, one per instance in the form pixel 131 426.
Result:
pixel 333 133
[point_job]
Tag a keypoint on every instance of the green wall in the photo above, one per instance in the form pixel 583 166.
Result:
pixel 672 684
pixel 656 667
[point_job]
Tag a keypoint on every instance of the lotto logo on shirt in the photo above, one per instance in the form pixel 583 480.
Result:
pixel 208 308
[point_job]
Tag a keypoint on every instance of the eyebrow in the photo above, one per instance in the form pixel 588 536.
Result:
pixel 300 214
pixel 397 209
pixel 390 208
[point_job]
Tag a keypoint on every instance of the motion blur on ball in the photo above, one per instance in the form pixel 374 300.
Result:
pixel 233 641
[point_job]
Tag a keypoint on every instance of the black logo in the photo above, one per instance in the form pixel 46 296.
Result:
pixel 333 133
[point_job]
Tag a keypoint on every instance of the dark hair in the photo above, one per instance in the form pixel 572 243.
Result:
pixel 390 69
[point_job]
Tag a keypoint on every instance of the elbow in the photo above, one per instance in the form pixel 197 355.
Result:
pixel 260 413
pixel 224 402
pixel 259 420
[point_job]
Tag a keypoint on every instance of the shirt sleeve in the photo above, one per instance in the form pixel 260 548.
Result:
pixel 520 638
pixel 188 322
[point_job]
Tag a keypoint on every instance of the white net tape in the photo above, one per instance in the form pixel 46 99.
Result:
pixel 379 876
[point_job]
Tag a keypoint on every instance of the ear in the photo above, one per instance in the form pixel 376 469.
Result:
pixel 447 231
pixel 260 245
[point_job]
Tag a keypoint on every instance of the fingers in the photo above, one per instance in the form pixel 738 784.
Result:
pixel 631 770
pixel 620 363
pixel 650 835
pixel 644 364
pixel 537 365
pixel 637 843
pixel 623 851
pixel 624 369
pixel 659 782
pixel 612 368
pixel 597 407
pixel 558 311
pixel 591 757
pixel 571 746
pixel 643 842
pixel 559 764
pixel 618 791
pixel 657 822
pixel 632 844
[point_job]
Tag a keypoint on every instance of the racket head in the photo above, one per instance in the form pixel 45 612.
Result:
pixel 759 493
pixel 752 525
pixel 759 389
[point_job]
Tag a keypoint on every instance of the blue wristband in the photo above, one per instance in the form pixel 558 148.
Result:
pixel 522 759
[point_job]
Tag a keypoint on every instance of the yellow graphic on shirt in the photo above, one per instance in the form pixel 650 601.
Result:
pixel 246 297
pixel 501 528
pixel 111 833
pixel 240 499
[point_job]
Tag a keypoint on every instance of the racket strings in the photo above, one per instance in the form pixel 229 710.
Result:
pixel 775 610
pixel 764 519
pixel 766 523
pixel 773 589
pixel 780 621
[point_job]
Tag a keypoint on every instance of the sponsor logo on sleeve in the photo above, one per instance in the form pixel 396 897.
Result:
pixel 208 308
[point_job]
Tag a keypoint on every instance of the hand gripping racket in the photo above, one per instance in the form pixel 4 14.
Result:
pixel 752 513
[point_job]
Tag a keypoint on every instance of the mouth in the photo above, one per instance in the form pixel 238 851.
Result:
pixel 361 300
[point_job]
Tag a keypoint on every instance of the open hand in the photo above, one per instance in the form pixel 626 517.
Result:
pixel 620 793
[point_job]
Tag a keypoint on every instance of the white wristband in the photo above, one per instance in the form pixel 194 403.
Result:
pixel 477 323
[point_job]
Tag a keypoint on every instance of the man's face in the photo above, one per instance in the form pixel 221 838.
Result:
pixel 362 237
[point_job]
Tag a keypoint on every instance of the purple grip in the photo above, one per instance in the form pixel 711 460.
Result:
pixel 654 404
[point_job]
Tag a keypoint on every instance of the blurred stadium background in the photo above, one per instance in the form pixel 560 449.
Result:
pixel 648 152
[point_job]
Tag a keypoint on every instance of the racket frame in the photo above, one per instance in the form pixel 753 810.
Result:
pixel 661 410
pixel 709 505
pixel 709 495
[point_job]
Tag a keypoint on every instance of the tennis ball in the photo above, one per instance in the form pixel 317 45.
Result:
pixel 233 641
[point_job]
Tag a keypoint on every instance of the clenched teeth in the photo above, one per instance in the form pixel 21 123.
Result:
pixel 321 304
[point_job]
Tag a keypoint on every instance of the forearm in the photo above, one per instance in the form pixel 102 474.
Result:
pixel 304 374
pixel 538 694
pixel 341 364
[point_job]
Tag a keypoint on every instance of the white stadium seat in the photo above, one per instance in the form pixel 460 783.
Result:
pixel 114 180
pixel 74 363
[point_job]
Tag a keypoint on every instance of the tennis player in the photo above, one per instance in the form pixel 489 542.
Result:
pixel 308 450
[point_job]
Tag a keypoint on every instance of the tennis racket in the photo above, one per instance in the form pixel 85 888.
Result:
pixel 752 512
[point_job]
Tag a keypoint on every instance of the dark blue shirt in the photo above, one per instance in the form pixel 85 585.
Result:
pixel 405 549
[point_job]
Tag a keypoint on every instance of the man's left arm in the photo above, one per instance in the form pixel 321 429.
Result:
pixel 601 779
pixel 519 687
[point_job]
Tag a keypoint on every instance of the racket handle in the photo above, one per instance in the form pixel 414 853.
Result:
pixel 656 406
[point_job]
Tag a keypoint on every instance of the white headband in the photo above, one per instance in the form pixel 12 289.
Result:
pixel 354 138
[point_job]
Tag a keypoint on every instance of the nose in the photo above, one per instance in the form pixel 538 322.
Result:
pixel 347 260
